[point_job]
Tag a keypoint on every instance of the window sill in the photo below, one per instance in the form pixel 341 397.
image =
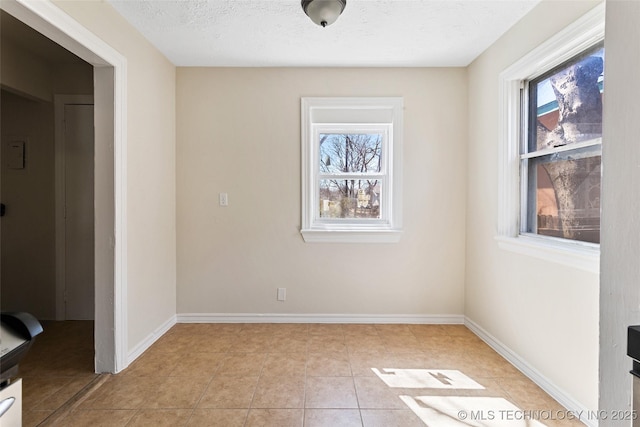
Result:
pixel 351 236
pixel 577 256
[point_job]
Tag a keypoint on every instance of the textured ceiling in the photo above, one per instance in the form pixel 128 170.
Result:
pixel 388 33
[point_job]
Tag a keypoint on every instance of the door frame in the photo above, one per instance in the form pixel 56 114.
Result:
pixel 59 103
pixel 110 94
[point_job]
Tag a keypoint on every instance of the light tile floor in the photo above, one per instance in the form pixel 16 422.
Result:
pixel 58 365
pixel 296 375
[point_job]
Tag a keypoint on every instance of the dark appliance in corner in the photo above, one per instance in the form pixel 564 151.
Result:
pixel 17 334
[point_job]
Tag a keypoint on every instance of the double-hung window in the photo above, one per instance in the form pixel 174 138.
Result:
pixel 351 153
pixel 561 150
pixel 550 147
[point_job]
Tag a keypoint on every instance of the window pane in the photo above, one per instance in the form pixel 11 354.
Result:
pixel 566 104
pixel 564 196
pixel 350 198
pixel 348 153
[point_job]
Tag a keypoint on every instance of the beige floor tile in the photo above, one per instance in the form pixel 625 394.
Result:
pixel 439 343
pixel 391 330
pixel 264 374
pixel 373 393
pixel 198 365
pixel 191 328
pixel 98 418
pixel 328 365
pixel 424 331
pixel 253 343
pixel 327 344
pixel 154 364
pixel 362 363
pixel 177 393
pixel 441 359
pixel 242 364
pixel 527 395
pixel 61 365
pixel 489 364
pixel 288 329
pixel 214 329
pixel 37 389
pixel 332 418
pixel 403 344
pixel 285 364
pixel 218 418
pixel 33 418
pixel 173 343
pixel 279 392
pixel 66 392
pixel 326 329
pixel 212 343
pixel 457 330
pixel 390 418
pixel 408 361
pixel 365 344
pixel 229 392
pixel 122 392
pixel 259 328
pixel 330 393
pixel 160 418
pixel 294 343
pixel 359 330
pixel 275 418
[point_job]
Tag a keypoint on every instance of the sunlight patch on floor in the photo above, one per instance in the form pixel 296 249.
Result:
pixel 427 378
pixel 459 411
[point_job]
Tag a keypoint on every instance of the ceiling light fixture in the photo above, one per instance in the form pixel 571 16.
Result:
pixel 323 12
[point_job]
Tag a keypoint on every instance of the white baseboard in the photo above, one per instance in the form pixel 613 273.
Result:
pixel 447 319
pixel 143 345
pixel 534 375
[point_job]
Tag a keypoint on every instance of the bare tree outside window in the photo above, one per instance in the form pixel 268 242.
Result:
pixel 562 156
pixel 351 177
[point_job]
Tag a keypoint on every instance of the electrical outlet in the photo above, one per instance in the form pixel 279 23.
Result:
pixel 282 294
pixel 224 199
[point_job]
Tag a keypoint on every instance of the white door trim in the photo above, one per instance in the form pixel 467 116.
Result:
pixel 110 80
pixel 59 101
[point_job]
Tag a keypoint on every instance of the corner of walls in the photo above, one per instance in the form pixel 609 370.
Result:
pixel 150 170
pixel 574 407
pixel 524 306
pixel 142 346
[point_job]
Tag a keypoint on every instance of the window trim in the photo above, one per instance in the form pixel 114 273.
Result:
pixel 342 113
pixel 576 38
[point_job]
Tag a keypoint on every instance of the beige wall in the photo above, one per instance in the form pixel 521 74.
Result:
pixel 150 216
pixel 239 132
pixel 544 312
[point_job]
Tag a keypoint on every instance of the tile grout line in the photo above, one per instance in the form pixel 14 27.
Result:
pixel 60 413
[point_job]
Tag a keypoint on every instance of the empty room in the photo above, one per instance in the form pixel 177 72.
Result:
pixel 320 212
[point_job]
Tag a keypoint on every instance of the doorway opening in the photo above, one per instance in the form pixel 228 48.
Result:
pixel 109 80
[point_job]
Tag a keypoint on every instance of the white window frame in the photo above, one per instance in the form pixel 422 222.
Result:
pixel 352 115
pixel 576 38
